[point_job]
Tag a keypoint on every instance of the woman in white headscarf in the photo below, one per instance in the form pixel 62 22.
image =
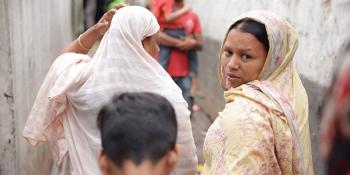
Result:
pixel 65 110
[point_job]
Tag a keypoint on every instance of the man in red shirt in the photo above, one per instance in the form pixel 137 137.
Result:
pixel 179 66
pixel 170 16
pixel 163 10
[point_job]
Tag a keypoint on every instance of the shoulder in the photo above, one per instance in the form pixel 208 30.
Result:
pixel 68 59
pixel 246 120
pixel 245 113
pixel 251 99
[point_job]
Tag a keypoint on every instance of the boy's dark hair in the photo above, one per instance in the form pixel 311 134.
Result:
pixel 137 126
pixel 255 28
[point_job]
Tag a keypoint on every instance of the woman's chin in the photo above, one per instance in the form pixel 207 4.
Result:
pixel 228 85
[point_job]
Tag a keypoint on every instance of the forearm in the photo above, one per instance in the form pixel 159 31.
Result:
pixel 199 44
pixel 173 16
pixel 87 40
pixel 167 40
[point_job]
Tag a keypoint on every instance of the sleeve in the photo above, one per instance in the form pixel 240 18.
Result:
pixel 257 141
pixel 161 7
pixel 166 7
pixel 155 9
pixel 43 123
pixel 197 29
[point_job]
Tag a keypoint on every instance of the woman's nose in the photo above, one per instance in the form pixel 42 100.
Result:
pixel 234 62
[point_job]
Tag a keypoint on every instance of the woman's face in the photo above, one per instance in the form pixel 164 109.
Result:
pixel 151 46
pixel 242 59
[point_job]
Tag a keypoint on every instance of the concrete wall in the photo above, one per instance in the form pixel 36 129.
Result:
pixel 31 36
pixel 323 30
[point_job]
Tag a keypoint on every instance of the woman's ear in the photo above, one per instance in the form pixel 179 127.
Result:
pixel 103 162
pixel 144 41
pixel 172 157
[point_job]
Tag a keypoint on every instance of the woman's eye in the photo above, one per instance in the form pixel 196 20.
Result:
pixel 227 53
pixel 245 57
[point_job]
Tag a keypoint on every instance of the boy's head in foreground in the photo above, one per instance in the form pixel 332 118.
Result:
pixel 138 132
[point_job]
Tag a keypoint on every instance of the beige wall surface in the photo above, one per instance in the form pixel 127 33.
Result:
pixel 31 35
pixel 323 31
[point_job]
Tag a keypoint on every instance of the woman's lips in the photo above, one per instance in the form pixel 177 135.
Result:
pixel 231 77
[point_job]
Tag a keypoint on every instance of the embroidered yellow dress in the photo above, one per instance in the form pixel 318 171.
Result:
pixel 264 126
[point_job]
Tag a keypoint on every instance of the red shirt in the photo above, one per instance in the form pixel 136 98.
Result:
pixel 178 65
pixel 190 22
pixel 162 7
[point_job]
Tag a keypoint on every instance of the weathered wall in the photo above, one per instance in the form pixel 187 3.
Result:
pixel 323 30
pixel 7 125
pixel 31 36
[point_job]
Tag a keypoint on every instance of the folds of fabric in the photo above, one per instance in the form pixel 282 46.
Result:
pixel 44 123
pixel 279 70
pixel 250 136
pixel 120 65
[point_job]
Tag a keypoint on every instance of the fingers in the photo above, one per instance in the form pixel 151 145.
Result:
pixel 110 13
pixel 107 17
pixel 101 26
pixel 105 23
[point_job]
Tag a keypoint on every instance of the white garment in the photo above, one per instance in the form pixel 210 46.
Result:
pixel 120 65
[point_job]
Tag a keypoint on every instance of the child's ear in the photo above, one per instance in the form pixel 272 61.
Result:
pixel 103 162
pixel 172 157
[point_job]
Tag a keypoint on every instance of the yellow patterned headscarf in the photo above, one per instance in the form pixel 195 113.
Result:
pixel 279 70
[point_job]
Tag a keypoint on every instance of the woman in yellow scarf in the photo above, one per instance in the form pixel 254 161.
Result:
pixel 264 127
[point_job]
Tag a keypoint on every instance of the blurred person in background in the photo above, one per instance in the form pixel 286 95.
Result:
pixel 335 125
pixel 179 57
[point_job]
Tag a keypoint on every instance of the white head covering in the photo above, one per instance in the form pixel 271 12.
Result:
pixel 72 94
pixel 121 64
